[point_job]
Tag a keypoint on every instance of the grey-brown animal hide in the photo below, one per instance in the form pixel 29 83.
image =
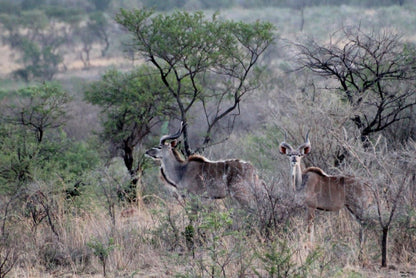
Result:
pixel 324 192
pixel 210 179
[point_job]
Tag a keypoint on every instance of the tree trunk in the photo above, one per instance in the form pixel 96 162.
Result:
pixel 128 158
pixel 384 247
pixel 188 151
pixel 130 192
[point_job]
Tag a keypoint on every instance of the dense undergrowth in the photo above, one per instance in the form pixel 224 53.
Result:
pixel 61 213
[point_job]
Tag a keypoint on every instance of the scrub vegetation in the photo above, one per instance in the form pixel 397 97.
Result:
pixel 87 87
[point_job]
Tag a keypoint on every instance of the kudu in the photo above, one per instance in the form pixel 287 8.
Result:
pixel 205 178
pixel 324 192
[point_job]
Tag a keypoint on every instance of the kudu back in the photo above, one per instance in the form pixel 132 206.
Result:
pixel 321 191
pixel 209 179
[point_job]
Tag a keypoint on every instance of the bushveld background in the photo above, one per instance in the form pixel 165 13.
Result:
pixel 78 198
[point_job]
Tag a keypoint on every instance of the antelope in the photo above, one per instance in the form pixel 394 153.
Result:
pixel 200 176
pixel 325 192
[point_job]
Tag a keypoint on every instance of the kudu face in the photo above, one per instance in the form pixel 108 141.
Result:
pixel 295 157
pixel 164 149
pixel 161 151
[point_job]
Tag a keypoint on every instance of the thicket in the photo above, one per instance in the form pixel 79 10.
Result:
pixel 97 205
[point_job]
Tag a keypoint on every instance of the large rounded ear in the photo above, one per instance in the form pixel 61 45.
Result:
pixel 305 148
pixel 174 143
pixel 284 148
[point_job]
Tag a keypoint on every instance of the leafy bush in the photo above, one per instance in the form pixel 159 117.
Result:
pixel 278 261
pixel 102 250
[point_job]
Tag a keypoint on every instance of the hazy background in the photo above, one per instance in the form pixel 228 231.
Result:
pixel 62 212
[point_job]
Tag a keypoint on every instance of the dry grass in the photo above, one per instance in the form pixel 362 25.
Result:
pixel 150 239
pixel 147 245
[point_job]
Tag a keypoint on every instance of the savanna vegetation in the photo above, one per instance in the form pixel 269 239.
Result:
pixel 88 86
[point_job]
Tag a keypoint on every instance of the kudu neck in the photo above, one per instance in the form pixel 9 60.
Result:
pixel 297 176
pixel 172 168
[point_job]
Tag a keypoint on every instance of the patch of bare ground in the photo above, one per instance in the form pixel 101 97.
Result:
pixel 97 67
pixel 74 66
pixel 391 271
pixel 7 61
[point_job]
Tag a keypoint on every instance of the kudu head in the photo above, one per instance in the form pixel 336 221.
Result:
pixel 165 148
pixel 295 157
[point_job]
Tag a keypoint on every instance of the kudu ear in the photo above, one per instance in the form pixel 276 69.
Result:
pixel 305 148
pixel 174 143
pixel 284 148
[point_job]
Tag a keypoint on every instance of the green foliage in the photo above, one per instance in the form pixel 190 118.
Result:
pixel 16 152
pixel 190 236
pixel 218 249
pixel 216 226
pixel 210 61
pixel 94 31
pixel 278 261
pixel 32 143
pixel 41 62
pixel 34 34
pixel 97 23
pixel 189 40
pixel 129 102
pixel 217 223
pixel 102 250
pixel 39 108
pixel 67 159
pixel 9 23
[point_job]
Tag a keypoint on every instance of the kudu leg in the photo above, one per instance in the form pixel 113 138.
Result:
pixel 357 214
pixel 362 239
pixel 311 220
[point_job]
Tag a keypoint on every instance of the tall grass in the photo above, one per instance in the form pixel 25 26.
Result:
pixel 161 238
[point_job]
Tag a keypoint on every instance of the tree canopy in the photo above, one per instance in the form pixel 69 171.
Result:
pixel 32 142
pixel 200 61
pixel 132 103
pixel 375 73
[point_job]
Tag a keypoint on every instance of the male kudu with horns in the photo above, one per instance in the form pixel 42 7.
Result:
pixel 324 192
pixel 209 179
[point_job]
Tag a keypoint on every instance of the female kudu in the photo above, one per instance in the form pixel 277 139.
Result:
pixel 324 192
